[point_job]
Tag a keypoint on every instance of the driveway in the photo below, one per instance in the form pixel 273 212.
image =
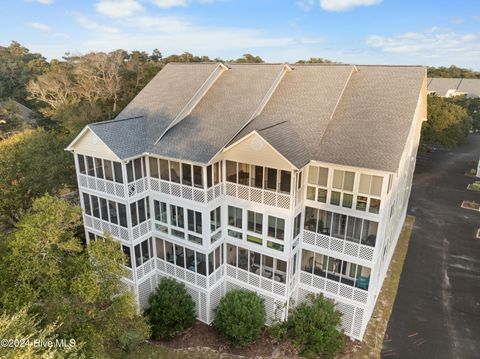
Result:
pixel 437 310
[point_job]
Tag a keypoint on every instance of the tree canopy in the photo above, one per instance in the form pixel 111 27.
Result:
pixel 452 71
pixel 44 266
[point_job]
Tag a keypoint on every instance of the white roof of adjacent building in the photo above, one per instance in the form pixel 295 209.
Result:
pixel 446 87
pixel 351 115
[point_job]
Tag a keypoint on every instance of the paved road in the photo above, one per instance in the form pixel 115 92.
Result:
pixel 437 310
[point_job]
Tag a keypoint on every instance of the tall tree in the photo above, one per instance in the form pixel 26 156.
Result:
pixel 452 71
pixel 249 58
pixel 44 265
pixel 31 163
pixel 448 124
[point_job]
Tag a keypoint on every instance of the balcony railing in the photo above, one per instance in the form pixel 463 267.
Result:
pixel 116 231
pixel 145 268
pixel 258 195
pixel 187 192
pixel 141 229
pixel 101 185
pixel 333 287
pixel 137 187
pixel 352 249
pixel 256 280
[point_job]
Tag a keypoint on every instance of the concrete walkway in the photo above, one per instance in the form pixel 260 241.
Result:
pixel 437 310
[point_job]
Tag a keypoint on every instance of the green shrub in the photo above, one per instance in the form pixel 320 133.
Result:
pixel 171 309
pixel 240 317
pixel 313 328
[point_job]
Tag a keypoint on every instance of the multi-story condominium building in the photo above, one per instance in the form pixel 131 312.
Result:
pixel 280 179
pixel 451 87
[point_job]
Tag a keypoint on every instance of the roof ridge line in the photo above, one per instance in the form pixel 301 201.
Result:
pixel 115 120
pixel 196 98
pixel 285 68
pixel 354 70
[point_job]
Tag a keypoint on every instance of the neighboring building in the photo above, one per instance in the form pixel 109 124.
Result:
pixel 281 179
pixel 450 87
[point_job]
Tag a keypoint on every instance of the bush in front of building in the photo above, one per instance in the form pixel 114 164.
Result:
pixel 312 327
pixel 171 309
pixel 240 317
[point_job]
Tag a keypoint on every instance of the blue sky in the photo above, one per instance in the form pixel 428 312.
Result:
pixel 427 32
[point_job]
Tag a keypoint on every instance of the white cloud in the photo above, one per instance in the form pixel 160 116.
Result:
pixel 91 25
pixel 344 5
pixel 39 26
pixel 118 8
pixel 432 46
pixel 166 4
pixel 305 5
pixel 44 2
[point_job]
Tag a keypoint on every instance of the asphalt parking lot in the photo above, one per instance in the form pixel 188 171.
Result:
pixel 437 310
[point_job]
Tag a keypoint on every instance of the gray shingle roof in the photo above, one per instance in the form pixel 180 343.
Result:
pixel 332 113
pixel 442 85
pixel 470 86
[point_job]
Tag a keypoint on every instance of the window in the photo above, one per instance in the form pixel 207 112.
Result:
pixel 254 239
pixel 215 219
pixel 276 227
pixel 285 181
pixel 335 198
pixel 343 180
pixel 209 176
pixel 104 209
pixel 90 168
pixel 153 162
pixel 198 176
pixel 175 171
pixel 243 174
pixel 143 252
pixel 347 200
pixel 164 170
pixel 117 170
pixel 186 174
pixel 128 256
pixel 98 167
pixel 231 171
pixel 194 221
pixel 95 207
pixel 122 212
pixel 276 246
pixel 108 170
pixel 179 256
pixel 374 205
pixel 176 216
pixel 322 195
pixel 362 203
pixel 86 204
pixel 231 255
pixel 138 168
pixel 318 176
pixel 160 209
pixel 296 225
pixel 339 225
pixel 217 172
pixel 311 193
pixel 160 248
pixel 201 263
pixel 139 211
pixel 271 180
pixel 255 222
pixel 258 176
pixel 370 185
pixel 235 216
pixel 81 164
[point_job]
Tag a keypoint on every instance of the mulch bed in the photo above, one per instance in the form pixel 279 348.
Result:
pixel 202 335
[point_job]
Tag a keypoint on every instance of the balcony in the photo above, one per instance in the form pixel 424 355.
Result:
pixel 356 250
pixel 190 276
pixel 267 284
pixel 116 231
pixel 101 185
pixel 332 286
pixel 258 195
pixel 187 192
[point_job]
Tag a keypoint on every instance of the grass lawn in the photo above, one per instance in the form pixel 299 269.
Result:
pixel 374 335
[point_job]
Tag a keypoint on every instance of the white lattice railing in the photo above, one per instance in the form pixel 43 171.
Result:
pixel 352 249
pixel 137 187
pixel 101 185
pixel 181 273
pixel 116 231
pixel 270 198
pixel 145 268
pixel 215 276
pixel 141 229
pixel 256 280
pixel 186 192
pixel 333 287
